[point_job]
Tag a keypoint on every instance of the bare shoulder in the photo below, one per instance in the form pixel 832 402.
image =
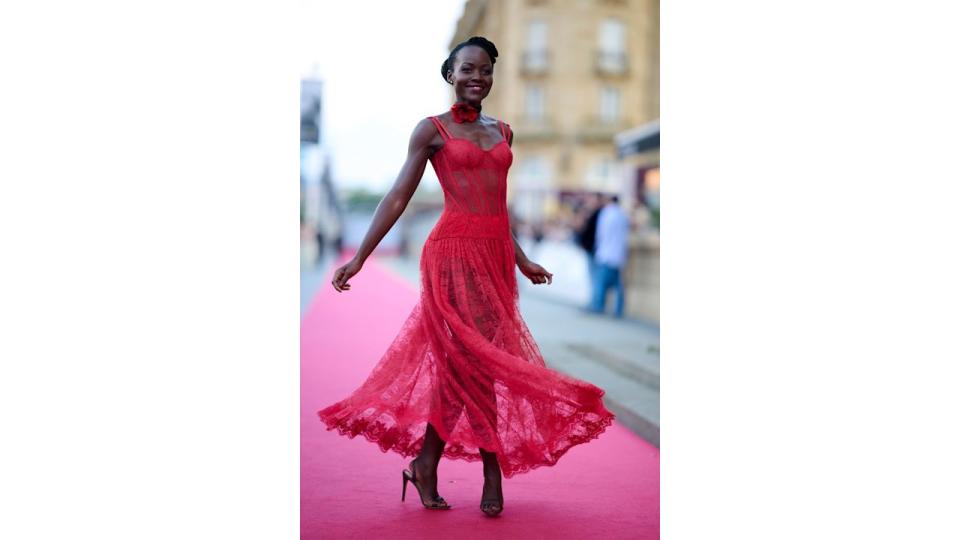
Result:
pixel 424 126
pixel 425 135
pixel 509 130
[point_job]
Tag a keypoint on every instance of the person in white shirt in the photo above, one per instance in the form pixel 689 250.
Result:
pixel 610 255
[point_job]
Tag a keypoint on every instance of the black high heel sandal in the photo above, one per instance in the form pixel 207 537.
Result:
pixel 492 507
pixel 435 504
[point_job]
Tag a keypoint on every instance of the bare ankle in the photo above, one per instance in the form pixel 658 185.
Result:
pixel 428 463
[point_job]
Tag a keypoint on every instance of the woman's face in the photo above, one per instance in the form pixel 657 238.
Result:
pixel 472 74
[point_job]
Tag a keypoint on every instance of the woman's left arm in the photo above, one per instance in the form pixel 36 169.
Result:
pixel 521 257
pixel 534 272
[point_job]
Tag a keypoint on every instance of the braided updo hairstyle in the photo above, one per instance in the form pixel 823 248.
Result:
pixel 478 41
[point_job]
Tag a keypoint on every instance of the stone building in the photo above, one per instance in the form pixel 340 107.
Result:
pixel 571 74
pixel 639 151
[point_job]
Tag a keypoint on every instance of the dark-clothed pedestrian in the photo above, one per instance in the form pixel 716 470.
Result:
pixel 586 238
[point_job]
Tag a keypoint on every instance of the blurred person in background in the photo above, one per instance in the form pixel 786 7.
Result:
pixel 586 237
pixel 460 377
pixel 610 255
pixel 321 244
pixel 537 234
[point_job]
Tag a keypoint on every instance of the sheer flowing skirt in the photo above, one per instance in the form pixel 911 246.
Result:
pixel 465 362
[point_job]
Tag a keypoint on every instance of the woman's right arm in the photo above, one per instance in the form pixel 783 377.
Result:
pixel 393 203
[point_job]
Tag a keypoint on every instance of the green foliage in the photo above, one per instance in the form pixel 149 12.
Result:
pixel 362 199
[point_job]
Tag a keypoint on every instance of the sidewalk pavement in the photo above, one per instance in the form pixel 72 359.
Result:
pixel 314 267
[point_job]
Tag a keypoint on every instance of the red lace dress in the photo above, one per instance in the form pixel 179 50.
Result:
pixel 464 359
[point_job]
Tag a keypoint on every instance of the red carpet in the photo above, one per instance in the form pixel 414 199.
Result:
pixel 608 488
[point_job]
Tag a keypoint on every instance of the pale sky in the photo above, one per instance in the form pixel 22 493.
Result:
pixel 380 66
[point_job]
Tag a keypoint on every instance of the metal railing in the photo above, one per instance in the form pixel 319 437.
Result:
pixel 611 63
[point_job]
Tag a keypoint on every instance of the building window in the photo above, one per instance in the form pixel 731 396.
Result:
pixel 535 102
pixel 535 55
pixel 612 56
pixel 609 104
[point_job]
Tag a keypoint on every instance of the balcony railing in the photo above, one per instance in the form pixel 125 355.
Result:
pixel 528 128
pixel 535 62
pixel 599 129
pixel 611 63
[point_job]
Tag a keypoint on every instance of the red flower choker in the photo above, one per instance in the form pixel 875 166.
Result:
pixel 464 112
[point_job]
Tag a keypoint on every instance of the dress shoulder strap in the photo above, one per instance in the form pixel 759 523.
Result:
pixel 504 130
pixel 443 131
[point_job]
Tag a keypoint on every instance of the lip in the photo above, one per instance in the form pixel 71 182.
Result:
pixel 474 87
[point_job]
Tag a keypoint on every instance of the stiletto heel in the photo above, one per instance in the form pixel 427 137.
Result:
pixel 435 504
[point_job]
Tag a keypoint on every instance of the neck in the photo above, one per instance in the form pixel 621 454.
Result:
pixel 474 104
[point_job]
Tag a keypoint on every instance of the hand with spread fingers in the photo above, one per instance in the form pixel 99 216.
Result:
pixel 534 272
pixel 344 273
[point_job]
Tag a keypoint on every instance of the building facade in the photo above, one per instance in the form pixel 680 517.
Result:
pixel 639 151
pixel 571 74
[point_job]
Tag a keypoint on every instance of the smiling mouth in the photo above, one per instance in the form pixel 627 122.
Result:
pixel 475 88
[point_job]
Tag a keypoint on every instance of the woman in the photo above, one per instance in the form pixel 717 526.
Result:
pixel 464 378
